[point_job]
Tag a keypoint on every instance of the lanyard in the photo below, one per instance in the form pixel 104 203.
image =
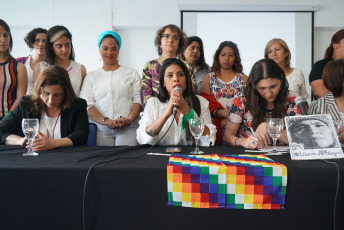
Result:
pixel 54 126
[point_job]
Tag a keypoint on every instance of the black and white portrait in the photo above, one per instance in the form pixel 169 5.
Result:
pixel 312 132
pixel 312 135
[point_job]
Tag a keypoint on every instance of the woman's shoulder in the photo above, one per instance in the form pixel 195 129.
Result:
pixel 78 104
pixel 295 73
pixel 153 62
pixel 22 59
pixel 292 94
pixel 128 70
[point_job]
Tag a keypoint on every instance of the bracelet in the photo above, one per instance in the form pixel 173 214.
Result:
pixel 236 141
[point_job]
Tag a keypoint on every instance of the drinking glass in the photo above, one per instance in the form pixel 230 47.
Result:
pixel 196 126
pixel 275 129
pixel 30 129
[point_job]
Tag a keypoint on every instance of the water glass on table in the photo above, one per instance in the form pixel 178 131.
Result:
pixel 275 129
pixel 30 129
pixel 196 126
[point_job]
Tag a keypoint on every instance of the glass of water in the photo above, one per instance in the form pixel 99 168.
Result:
pixel 275 129
pixel 196 126
pixel 30 129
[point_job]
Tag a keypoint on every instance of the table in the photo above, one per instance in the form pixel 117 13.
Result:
pixel 45 192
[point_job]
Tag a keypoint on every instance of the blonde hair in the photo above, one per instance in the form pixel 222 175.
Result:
pixel 285 47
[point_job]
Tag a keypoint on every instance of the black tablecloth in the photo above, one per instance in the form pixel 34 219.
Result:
pixel 45 192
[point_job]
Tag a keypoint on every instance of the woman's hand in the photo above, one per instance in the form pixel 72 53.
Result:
pixel 22 141
pixel 177 99
pixel 119 123
pixel 42 142
pixel 263 135
pixel 251 142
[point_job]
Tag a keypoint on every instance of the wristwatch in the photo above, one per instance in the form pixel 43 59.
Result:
pixel 105 118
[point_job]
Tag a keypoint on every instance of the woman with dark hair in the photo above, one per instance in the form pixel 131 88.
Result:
pixel 278 50
pixel 13 76
pixel 194 54
pixel 334 52
pixel 35 40
pixel 332 103
pixel 113 95
pixel 157 116
pixel 62 115
pixel 59 51
pixel 223 83
pixel 266 96
pixel 170 41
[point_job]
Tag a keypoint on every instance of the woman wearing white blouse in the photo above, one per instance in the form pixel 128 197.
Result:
pixel 157 116
pixel 278 50
pixel 113 95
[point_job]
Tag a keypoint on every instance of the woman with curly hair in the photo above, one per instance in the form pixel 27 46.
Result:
pixel 170 42
pixel 266 96
pixel 35 40
pixel 223 83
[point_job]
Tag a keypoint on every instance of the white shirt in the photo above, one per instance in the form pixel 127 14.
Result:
pixel 296 82
pixel 154 109
pixel 29 71
pixel 112 93
pixel 50 126
pixel 74 72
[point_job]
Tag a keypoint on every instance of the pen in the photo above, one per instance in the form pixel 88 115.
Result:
pixel 249 125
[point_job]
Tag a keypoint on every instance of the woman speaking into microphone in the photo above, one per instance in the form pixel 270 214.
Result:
pixel 175 91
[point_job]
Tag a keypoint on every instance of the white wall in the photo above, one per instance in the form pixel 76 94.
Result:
pixel 137 22
pixel 85 19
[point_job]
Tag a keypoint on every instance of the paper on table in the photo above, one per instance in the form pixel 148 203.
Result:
pixel 279 149
pixel 159 154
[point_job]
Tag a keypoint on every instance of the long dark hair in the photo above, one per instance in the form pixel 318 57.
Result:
pixel 237 66
pixel 335 39
pixel 49 51
pixel 8 30
pixel 263 69
pixel 188 94
pixel 200 63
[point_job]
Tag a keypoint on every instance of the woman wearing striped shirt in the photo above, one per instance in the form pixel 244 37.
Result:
pixel 13 76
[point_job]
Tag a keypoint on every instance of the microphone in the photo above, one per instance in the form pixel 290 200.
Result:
pixel 177 88
pixel 300 101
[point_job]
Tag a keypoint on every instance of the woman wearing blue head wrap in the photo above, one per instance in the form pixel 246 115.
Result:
pixel 113 95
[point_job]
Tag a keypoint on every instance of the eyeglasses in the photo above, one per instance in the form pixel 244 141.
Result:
pixel 167 36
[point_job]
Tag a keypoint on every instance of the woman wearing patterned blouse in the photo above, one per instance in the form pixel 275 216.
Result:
pixel 13 76
pixel 170 41
pixel 223 83
pixel 266 96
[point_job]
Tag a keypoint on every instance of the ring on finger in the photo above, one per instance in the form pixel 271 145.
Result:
pixel 253 142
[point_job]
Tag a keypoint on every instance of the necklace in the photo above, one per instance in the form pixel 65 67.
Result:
pixel 53 133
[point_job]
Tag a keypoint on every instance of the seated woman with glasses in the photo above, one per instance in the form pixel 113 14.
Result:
pixel 158 113
pixel 169 41
pixel 266 96
pixel 62 115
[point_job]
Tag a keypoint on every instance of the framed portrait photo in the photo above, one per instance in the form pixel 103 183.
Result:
pixel 313 137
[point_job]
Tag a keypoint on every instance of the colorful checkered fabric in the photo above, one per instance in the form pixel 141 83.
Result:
pixel 230 181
